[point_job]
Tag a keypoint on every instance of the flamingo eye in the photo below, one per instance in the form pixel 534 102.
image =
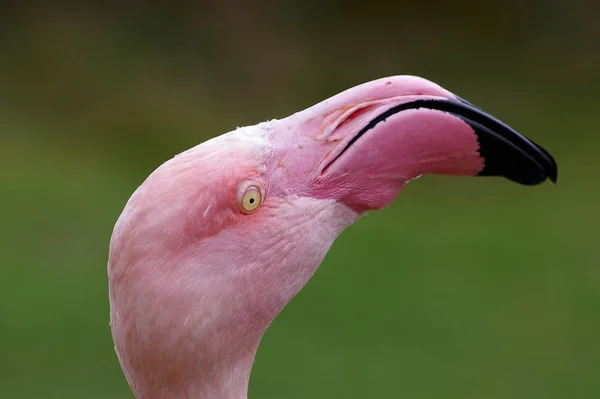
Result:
pixel 251 199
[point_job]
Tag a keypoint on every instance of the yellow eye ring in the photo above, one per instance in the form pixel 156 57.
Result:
pixel 251 200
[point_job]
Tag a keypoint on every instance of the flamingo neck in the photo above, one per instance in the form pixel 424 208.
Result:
pixel 220 383
pixel 222 380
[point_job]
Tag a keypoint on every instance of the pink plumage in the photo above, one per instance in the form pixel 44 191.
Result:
pixel 217 240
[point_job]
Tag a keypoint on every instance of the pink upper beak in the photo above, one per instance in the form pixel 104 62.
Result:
pixel 364 144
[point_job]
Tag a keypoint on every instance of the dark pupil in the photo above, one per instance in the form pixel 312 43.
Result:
pixel 251 200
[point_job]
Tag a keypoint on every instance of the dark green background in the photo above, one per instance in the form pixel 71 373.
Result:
pixel 463 288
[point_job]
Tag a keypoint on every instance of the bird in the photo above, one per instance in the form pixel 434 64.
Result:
pixel 217 240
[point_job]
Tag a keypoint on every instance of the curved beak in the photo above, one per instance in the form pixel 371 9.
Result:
pixel 363 145
pixel 505 152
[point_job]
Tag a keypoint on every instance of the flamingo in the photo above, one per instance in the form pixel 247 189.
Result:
pixel 217 240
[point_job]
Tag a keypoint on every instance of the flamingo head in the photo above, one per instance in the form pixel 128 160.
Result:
pixel 217 240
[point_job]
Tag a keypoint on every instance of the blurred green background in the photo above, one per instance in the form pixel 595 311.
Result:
pixel 464 288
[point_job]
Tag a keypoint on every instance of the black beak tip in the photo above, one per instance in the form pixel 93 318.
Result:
pixel 506 152
pixel 528 164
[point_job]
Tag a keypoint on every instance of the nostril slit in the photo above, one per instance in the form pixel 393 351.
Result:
pixel 357 112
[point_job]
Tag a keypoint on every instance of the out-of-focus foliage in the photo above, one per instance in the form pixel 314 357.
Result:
pixel 464 288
